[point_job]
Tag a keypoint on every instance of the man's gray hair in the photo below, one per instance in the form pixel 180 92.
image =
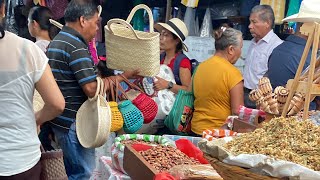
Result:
pixel 265 13
pixel 226 37
pixel 78 8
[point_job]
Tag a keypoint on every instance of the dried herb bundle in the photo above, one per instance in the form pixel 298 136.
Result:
pixel 282 138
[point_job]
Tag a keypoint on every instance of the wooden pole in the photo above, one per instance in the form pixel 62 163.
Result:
pixel 311 72
pixel 168 12
pixel 298 73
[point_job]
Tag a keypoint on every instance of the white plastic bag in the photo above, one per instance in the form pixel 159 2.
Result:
pixel 206 28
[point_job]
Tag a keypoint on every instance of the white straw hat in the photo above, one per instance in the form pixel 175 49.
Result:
pixel 177 27
pixel 309 12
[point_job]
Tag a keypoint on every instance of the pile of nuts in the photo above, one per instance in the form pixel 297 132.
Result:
pixel 163 158
pixel 138 141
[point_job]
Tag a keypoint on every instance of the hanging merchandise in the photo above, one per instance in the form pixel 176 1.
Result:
pixel 190 3
pixel 189 20
pixel 278 7
pixel 206 28
pixel 196 27
pixel 294 6
pixel 129 49
pixel 11 25
pixel 57 7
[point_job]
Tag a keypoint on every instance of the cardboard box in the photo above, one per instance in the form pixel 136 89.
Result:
pixel 136 166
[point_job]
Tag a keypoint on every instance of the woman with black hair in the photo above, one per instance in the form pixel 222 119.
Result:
pixel 40 27
pixel 172 35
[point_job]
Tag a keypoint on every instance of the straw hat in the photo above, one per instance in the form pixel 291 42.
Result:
pixel 177 27
pixel 309 12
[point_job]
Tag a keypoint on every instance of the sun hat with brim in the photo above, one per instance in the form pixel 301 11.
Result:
pixel 177 27
pixel 309 12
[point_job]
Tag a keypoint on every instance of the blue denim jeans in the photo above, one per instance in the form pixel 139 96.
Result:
pixel 79 161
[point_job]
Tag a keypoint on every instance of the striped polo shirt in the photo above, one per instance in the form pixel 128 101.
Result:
pixel 72 67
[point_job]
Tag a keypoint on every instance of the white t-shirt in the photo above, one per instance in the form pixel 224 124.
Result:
pixel 22 64
pixel 43 44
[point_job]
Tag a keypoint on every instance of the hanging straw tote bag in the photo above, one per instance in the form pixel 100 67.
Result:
pixel 116 116
pixel 128 49
pixel 93 119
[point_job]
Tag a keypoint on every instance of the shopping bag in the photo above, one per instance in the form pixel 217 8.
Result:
pixel 94 119
pixel 179 118
pixel 129 49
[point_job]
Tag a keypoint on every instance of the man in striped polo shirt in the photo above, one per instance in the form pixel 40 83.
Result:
pixel 72 68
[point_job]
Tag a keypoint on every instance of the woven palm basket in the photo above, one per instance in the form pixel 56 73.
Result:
pixel 37 101
pixel 229 172
pixel 52 166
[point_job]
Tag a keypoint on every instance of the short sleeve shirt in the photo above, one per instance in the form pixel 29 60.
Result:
pixel 72 67
pixel 185 63
pixel 22 64
pixel 212 82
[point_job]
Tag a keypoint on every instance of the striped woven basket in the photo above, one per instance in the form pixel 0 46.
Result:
pixel 129 49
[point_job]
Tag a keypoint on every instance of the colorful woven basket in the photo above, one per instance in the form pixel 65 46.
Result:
pixel 132 116
pixel 116 116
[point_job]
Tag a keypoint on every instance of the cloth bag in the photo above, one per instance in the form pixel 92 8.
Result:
pixel 179 118
pixel 116 116
pixel 52 165
pixel 118 146
pixel 93 119
pixel 128 49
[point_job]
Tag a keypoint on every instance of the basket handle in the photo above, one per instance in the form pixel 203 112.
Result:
pixel 97 90
pixel 124 23
pixel 107 86
pixel 119 88
pixel 131 85
pixel 102 91
pixel 111 84
pixel 145 7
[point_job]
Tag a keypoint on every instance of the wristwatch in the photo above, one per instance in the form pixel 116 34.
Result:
pixel 170 85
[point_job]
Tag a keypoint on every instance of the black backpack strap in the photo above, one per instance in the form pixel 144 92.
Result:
pixel 176 67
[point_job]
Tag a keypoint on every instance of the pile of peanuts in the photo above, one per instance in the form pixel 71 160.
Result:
pixel 163 158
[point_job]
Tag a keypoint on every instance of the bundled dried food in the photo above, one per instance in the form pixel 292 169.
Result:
pixel 284 139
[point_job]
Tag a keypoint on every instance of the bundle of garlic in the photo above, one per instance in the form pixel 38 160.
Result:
pixel 273 102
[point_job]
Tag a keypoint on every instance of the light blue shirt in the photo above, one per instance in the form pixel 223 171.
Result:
pixel 256 63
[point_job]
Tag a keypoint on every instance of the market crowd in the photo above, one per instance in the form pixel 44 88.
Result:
pixel 60 67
